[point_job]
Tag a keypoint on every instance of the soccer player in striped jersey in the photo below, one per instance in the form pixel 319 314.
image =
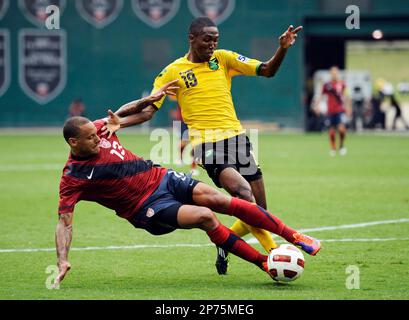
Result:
pixel 339 106
pixel 100 169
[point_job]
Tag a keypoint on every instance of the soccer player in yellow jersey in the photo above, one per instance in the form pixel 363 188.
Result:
pixel 203 77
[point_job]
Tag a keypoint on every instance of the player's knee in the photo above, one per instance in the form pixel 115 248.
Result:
pixel 207 219
pixel 243 192
pixel 220 202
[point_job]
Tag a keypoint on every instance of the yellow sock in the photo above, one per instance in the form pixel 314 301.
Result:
pixel 263 236
pixel 240 228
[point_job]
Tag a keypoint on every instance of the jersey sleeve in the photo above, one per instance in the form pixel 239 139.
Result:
pixel 69 196
pixel 163 78
pixel 99 123
pixel 238 64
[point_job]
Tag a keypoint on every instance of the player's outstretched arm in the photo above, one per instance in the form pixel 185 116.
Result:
pixel 137 106
pixel 137 112
pixel 113 123
pixel 287 39
pixel 63 237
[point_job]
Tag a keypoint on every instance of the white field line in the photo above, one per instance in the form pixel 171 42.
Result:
pixel 150 246
pixel 357 225
pixel 345 226
pixel 133 247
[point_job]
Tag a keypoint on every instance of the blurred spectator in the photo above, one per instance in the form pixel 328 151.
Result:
pixel 359 106
pixel 314 119
pixel 403 87
pixel 386 88
pixel 398 113
pixel 378 116
pixel 77 108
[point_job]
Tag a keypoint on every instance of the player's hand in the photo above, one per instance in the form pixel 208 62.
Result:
pixel 288 38
pixel 112 124
pixel 168 89
pixel 63 267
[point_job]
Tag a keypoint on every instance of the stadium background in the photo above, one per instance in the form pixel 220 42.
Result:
pixel 112 65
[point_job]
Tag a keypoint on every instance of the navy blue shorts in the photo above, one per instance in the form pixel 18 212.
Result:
pixel 158 214
pixel 336 119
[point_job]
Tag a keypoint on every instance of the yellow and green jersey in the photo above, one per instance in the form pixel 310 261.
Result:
pixel 205 93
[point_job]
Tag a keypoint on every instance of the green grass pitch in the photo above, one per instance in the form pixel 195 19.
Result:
pixel 306 188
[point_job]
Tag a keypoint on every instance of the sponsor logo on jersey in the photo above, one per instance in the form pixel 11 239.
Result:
pixel 217 10
pixel 4 5
pixel 35 10
pixel 99 13
pixel 42 63
pixel 4 61
pixel 214 64
pixel 156 13
pixel 150 213
pixel 105 144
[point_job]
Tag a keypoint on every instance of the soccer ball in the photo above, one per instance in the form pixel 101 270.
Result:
pixel 286 263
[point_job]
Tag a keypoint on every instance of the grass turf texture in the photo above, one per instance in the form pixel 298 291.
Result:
pixel 305 187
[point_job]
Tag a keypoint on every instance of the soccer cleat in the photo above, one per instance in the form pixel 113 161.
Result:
pixel 307 243
pixel 264 267
pixel 343 151
pixel 222 261
pixel 332 153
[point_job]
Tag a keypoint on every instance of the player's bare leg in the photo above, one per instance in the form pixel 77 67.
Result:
pixel 204 195
pixel 232 181
pixel 342 130
pixel 200 217
pixel 259 192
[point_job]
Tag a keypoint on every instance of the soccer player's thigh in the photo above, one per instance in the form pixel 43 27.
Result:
pixel 236 180
pixel 206 196
pixel 196 217
pixel 234 183
pixel 254 176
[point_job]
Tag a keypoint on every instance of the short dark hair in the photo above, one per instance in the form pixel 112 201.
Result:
pixel 72 127
pixel 197 25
